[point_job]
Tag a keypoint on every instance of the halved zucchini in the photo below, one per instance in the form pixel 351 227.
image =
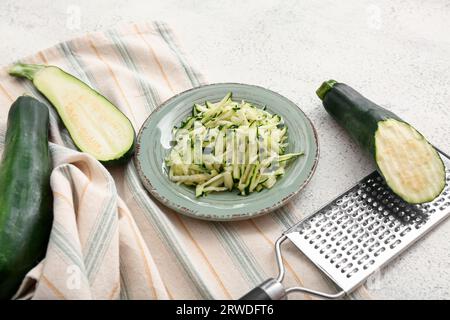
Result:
pixel 410 165
pixel 94 123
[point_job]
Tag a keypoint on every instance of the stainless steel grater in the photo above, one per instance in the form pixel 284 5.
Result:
pixel 356 234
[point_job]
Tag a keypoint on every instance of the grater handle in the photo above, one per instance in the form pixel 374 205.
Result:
pixel 270 289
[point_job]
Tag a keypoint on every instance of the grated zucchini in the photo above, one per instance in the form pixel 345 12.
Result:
pixel 229 145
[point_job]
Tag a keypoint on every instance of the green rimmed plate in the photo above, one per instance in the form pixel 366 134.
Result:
pixel 153 144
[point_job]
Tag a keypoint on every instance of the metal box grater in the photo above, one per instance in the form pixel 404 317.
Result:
pixel 357 233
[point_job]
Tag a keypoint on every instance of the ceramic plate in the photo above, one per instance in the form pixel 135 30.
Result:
pixel 153 144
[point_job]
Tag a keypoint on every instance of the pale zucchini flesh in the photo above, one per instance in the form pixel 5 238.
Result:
pixel 94 123
pixel 410 165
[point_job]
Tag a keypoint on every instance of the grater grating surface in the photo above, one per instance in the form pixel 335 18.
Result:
pixel 364 228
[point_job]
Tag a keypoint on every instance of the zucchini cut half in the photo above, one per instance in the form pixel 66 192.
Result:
pixel 410 165
pixel 95 125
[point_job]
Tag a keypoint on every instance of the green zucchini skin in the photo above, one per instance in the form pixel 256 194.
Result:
pixel 355 113
pixel 25 195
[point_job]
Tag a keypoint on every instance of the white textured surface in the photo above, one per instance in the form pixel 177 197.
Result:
pixel 395 53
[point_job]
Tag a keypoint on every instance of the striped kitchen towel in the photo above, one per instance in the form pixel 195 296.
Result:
pixel 110 239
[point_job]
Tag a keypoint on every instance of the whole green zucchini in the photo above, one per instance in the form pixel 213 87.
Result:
pixel 25 195
pixel 96 125
pixel 408 162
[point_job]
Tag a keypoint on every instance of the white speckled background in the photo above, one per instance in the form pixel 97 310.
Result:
pixel 397 54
